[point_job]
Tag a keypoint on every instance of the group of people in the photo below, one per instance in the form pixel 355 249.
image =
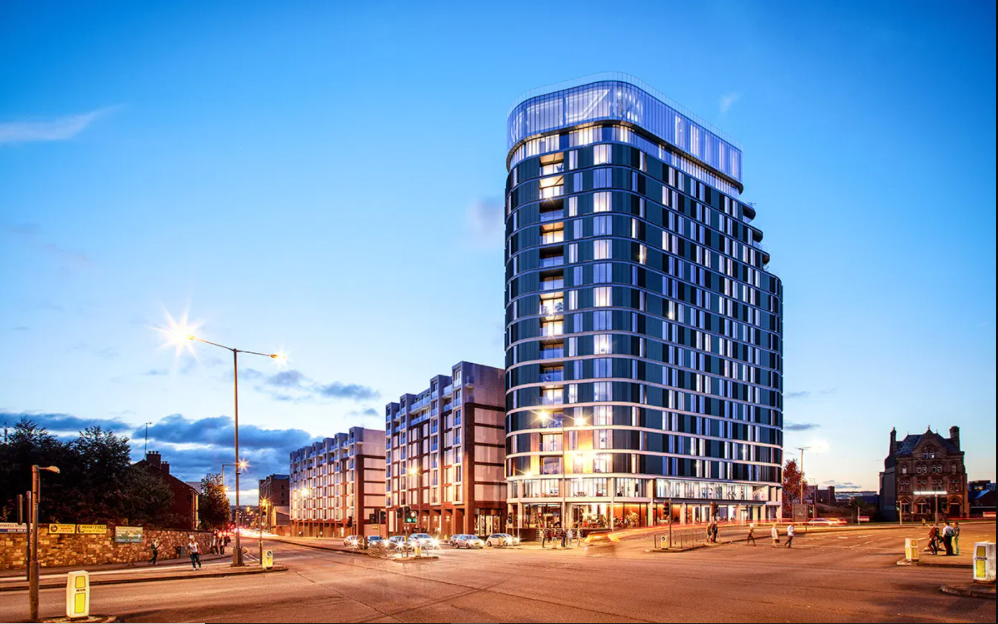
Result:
pixel 713 530
pixel 567 538
pixel 948 539
pixel 218 544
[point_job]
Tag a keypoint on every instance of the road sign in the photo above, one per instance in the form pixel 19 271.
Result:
pixel 10 527
pixel 91 529
pixel 862 519
pixel 62 529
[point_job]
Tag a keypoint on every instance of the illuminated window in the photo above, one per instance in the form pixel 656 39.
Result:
pixel 602 202
pixel 602 297
pixel 602 344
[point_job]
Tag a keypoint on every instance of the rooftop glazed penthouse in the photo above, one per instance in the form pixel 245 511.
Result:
pixel 643 331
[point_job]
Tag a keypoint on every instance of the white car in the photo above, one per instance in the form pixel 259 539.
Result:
pixel 501 540
pixel 467 541
pixel 425 541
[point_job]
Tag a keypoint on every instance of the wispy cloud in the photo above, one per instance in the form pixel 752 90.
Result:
pixel 800 427
pixel 292 386
pixel 30 235
pixel 59 129
pixel 807 394
pixel 843 486
pixel 485 224
pixel 728 101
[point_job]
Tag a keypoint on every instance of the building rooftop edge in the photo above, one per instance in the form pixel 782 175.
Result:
pixel 629 79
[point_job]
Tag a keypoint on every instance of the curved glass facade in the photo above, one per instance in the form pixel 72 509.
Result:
pixel 643 331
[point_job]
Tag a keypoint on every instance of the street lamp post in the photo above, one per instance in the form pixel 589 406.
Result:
pixel 237 552
pixel 803 486
pixel 34 566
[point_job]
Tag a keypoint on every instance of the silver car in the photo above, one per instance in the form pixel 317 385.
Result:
pixel 425 541
pixel 467 541
pixel 400 543
pixel 501 540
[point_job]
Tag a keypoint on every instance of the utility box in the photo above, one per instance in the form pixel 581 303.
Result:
pixel 268 560
pixel 984 563
pixel 78 595
pixel 911 550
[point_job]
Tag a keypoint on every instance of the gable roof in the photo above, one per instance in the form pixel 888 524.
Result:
pixel 908 446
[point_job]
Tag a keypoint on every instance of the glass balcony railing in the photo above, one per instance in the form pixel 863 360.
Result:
pixel 552 377
pixel 553 261
pixel 552 308
pixel 552 354
pixel 552 215
pixel 549 238
pixel 555 284
pixel 553 191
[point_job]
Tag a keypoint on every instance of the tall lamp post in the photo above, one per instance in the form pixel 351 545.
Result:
pixel 35 566
pixel 803 485
pixel 237 552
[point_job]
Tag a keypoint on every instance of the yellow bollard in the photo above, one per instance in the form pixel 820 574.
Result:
pixel 911 550
pixel 78 595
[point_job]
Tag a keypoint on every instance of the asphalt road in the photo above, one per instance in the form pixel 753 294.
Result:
pixel 834 577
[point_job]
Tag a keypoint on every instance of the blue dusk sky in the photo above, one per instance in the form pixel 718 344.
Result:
pixel 326 178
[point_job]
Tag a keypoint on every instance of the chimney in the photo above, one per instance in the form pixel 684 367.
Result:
pixel 894 442
pixel 154 459
pixel 166 467
pixel 954 436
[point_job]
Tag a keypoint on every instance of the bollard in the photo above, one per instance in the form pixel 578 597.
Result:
pixel 911 550
pixel 267 562
pixel 78 595
pixel 984 563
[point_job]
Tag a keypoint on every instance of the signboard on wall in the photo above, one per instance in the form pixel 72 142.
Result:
pixel 127 535
pixel 92 529
pixel 9 527
pixel 62 529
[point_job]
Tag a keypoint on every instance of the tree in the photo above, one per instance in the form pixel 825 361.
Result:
pixel 24 446
pixel 793 492
pixel 213 503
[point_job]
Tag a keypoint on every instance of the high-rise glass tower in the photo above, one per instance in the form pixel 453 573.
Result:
pixel 643 329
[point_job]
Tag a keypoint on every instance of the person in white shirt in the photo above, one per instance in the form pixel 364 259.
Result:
pixel 776 536
pixel 195 551
pixel 790 536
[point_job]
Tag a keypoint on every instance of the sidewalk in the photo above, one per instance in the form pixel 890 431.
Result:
pixel 163 563
pixel 220 568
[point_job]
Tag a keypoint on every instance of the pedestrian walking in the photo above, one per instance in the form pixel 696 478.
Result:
pixel 195 551
pixel 948 535
pixel 568 537
pixel 776 536
pixel 790 536
pixel 155 552
pixel 956 539
pixel 751 535
pixel 564 542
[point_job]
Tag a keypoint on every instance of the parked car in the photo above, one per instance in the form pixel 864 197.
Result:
pixel 424 541
pixel 467 541
pixel 501 540
pixel 399 542
pixel 826 522
pixel 375 541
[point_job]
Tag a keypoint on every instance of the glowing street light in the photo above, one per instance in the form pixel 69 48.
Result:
pixel 183 335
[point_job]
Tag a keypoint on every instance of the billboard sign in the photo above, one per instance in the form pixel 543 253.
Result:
pixel 92 529
pixel 62 529
pixel 127 535
pixel 9 527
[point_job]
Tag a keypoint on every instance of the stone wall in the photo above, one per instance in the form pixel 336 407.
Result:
pixel 87 550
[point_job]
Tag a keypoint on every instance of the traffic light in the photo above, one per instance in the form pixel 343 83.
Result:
pixel 410 516
pixel 384 517
pixel 398 513
pixel 350 522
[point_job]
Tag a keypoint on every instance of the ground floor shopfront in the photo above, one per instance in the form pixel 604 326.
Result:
pixel 634 514
pixel 321 529
pixel 444 522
